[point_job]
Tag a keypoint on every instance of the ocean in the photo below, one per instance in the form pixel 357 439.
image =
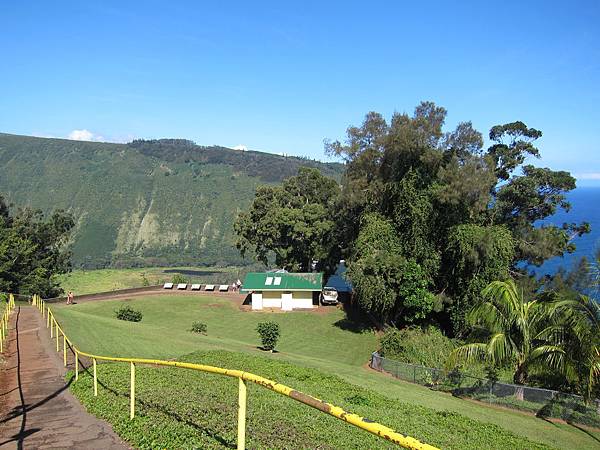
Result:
pixel 585 206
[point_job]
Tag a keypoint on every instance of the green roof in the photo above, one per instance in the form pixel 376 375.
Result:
pixel 273 281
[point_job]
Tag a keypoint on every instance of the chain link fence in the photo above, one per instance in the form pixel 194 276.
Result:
pixel 545 403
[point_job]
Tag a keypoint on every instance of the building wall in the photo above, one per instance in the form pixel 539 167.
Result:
pixel 303 299
pixel 257 302
pixel 280 299
pixel 272 299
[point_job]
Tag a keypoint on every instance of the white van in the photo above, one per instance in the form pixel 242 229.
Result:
pixel 329 296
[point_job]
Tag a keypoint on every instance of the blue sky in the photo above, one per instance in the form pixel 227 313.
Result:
pixel 283 76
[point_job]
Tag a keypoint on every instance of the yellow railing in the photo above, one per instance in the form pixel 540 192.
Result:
pixel 4 321
pixel 243 377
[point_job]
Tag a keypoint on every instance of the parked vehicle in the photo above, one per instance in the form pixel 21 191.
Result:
pixel 329 296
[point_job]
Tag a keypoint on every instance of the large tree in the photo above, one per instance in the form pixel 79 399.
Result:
pixel 292 222
pixel 466 215
pixel 33 250
pixel 389 286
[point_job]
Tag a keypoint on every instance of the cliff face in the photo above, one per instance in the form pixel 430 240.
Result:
pixel 147 202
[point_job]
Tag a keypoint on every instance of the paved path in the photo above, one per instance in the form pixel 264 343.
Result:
pixel 36 408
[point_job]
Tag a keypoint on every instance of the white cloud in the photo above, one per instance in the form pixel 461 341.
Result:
pixel 241 147
pixel 84 135
pixel 587 176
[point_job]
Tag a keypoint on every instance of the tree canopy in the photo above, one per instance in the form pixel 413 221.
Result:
pixel 33 250
pixel 425 217
pixel 463 214
pixel 294 221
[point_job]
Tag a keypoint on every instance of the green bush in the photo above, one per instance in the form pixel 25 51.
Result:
pixel 178 278
pixel 269 334
pixel 198 327
pixel 145 280
pixel 126 312
pixel 427 347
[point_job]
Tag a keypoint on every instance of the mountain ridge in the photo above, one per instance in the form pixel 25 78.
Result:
pixel 147 202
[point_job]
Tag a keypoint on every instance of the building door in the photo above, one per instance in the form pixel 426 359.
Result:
pixel 287 301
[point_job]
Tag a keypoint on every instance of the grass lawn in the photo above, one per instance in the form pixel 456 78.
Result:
pixel 321 341
pixel 104 280
pixel 205 415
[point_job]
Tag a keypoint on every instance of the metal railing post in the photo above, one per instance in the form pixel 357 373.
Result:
pixel 48 319
pixel 241 437
pixel 132 393
pixel 64 350
pixel 57 333
pixel 76 366
pixel 95 379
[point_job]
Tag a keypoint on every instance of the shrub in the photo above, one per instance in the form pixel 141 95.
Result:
pixel 128 313
pixel 269 334
pixel 198 327
pixel 145 280
pixel 178 278
pixel 427 347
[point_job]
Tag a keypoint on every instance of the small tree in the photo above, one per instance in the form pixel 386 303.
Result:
pixel 198 327
pixel 178 278
pixel 145 281
pixel 269 334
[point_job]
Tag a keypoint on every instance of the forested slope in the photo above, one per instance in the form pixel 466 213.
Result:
pixel 147 202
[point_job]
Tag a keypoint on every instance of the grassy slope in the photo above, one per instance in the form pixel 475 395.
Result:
pixel 206 414
pixel 307 339
pixel 103 280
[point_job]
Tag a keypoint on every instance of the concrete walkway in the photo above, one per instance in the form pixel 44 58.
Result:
pixel 36 408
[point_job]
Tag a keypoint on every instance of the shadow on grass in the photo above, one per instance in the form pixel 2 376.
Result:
pixel 161 409
pixel 267 350
pixel 585 431
pixel 355 321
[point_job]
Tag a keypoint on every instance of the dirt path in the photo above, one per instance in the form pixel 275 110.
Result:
pixel 38 411
pixel 235 297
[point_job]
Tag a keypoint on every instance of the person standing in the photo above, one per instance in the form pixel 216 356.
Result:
pixel 70 298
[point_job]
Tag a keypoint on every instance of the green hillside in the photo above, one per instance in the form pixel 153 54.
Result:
pixel 159 202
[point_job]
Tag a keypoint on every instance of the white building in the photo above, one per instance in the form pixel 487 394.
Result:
pixel 287 291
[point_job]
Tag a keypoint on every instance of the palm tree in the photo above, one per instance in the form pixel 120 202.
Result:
pixel 518 332
pixel 581 341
